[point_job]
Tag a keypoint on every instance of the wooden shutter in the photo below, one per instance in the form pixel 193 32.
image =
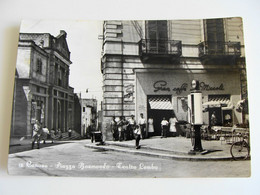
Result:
pixel 157 35
pixel 215 36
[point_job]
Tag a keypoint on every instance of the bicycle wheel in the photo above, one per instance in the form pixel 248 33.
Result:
pixel 239 150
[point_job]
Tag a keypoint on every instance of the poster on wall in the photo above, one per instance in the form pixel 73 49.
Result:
pixel 131 80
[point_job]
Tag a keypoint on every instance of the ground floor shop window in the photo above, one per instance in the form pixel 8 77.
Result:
pixel 220 110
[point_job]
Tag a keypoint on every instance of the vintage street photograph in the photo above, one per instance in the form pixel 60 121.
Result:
pixel 131 99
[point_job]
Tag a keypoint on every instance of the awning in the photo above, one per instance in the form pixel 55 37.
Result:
pixel 219 101
pixel 160 103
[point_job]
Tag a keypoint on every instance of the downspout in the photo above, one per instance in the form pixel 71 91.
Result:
pixel 122 78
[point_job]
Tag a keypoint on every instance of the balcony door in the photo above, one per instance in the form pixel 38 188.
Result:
pixel 157 35
pixel 215 36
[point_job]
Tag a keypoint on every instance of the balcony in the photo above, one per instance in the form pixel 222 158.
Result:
pixel 167 51
pixel 219 52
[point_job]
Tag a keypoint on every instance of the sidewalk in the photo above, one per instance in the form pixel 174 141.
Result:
pixel 25 141
pixel 172 147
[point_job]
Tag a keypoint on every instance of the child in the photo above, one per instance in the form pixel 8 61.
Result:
pixel 137 133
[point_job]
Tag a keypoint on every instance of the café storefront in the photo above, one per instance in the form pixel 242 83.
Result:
pixel 160 94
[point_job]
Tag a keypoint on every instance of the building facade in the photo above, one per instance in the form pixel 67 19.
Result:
pixel 42 90
pixel 85 114
pixel 148 66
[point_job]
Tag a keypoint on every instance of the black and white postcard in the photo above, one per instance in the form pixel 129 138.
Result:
pixel 131 98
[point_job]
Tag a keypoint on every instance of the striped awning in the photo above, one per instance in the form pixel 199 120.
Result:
pixel 219 101
pixel 160 103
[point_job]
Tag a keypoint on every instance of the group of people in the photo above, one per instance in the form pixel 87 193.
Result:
pixel 169 125
pixel 123 129
pixel 40 133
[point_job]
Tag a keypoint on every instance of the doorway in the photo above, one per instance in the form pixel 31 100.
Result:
pixel 164 109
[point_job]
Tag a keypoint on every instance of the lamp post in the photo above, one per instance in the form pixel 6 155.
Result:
pixel 196 117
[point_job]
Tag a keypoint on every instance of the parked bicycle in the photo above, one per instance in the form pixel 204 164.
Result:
pixel 241 149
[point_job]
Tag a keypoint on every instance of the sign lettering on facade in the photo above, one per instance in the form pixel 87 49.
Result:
pixel 161 85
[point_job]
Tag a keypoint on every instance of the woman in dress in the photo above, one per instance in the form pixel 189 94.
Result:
pixel 173 120
pixel 150 127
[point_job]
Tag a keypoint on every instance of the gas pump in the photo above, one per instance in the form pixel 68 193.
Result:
pixel 195 113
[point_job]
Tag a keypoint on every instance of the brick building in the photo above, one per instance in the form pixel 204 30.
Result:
pixel 41 89
pixel 148 66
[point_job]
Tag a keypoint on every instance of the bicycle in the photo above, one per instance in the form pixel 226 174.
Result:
pixel 241 149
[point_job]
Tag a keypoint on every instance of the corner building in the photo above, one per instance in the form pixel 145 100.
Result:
pixel 42 90
pixel 148 66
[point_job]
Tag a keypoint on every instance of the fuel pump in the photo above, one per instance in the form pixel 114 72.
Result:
pixel 195 113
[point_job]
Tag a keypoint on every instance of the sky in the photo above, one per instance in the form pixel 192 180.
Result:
pixel 85 48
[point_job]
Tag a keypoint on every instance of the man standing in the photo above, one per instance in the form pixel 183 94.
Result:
pixel 125 129
pixel 164 125
pixel 142 124
pixel 131 126
pixel 36 136
pixel 69 133
pixel 137 133
pixel 113 126
pixel 120 128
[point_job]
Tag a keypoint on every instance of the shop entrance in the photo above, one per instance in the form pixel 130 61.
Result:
pixel 159 107
pixel 215 116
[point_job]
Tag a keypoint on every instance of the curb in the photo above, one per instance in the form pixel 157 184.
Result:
pixel 159 155
pixel 146 148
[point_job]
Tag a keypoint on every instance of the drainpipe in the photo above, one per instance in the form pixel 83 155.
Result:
pixel 122 78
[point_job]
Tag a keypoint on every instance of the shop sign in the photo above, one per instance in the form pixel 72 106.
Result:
pixel 161 85
pixel 128 93
pixel 207 87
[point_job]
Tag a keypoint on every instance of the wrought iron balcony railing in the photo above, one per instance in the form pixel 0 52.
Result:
pixel 160 47
pixel 219 49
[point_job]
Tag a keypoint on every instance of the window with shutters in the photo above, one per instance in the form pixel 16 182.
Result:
pixel 215 36
pixel 158 35
pixel 157 47
pixel 215 49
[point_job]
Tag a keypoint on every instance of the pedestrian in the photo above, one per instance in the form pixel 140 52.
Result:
pixel 173 120
pixel 137 133
pixel 92 129
pixel 142 125
pixel 150 127
pixel 164 126
pixel 120 124
pixel 69 132
pixel 45 134
pixel 52 135
pixel 59 134
pixel 113 127
pixel 125 129
pixel 36 134
pixel 213 119
pixel 131 126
